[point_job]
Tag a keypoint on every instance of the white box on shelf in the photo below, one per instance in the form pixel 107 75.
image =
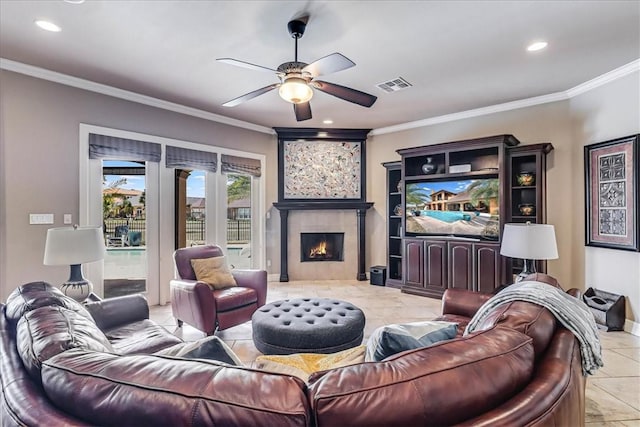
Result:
pixel 460 168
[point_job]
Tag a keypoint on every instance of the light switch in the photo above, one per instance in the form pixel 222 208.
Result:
pixel 67 219
pixel 40 218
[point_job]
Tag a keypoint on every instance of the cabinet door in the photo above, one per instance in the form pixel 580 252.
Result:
pixel 487 262
pixel 436 265
pixel 414 263
pixel 461 265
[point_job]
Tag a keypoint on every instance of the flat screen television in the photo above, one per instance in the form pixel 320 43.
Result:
pixel 458 208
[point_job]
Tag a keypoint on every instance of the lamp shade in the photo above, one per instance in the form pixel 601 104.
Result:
pixel 73 245
pixel 529 241
pixel 295 90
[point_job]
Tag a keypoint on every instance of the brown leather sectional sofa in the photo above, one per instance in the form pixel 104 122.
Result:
pixel 64 364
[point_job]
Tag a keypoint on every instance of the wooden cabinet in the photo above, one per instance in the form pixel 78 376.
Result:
pixel 394 224
pixel 432 266
pixel 526 192
pixel 429 262
pixel 415 263
pixel 461 265
pixel 487 267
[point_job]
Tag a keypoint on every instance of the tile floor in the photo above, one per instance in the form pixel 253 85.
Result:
pixel 612 395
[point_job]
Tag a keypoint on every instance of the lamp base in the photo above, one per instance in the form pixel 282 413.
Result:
pixel 77 287
pixel 529 268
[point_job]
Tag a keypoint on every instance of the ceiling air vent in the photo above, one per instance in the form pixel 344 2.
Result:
pixel 394 85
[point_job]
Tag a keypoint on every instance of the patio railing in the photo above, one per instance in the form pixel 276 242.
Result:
pixel 238 230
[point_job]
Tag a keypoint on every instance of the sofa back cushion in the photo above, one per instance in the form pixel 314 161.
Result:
pixel 33 295
pixel 46 331
pixel 108 389
pixel 443 384
pixel 531 319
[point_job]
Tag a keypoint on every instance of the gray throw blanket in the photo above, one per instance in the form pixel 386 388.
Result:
pixel 571 312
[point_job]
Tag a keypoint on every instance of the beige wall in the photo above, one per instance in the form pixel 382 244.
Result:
pixel 605 113
pixel 39 162
pixel 608 112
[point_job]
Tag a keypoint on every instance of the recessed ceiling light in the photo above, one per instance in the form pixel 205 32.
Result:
pixel 536 46
pixel 327 121
pixel 46 25
pixel 74 1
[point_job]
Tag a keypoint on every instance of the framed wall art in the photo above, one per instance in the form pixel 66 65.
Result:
pixel 612 201
pixel 326 168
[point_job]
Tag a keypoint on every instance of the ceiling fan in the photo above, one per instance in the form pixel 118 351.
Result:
pixel 298 78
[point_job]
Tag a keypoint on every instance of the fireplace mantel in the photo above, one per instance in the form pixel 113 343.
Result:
pixel 284 208
pixel 321 205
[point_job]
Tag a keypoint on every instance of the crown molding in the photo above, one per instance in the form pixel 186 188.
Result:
pixel 522 103
pixel 605 78
pixel 507 106
pixel 41 73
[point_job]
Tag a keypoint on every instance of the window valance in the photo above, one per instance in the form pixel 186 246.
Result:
pixel 243 165
pixel 104 146
pixel 177 157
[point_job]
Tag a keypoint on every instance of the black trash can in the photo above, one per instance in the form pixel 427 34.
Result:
pixel 378 275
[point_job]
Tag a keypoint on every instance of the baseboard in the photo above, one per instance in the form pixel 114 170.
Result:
pixel 632 327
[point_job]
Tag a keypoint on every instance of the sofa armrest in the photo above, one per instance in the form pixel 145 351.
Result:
pixel 254 279
pixel 463 302
pixel 192 302
pixel 112 312
pixel 575 292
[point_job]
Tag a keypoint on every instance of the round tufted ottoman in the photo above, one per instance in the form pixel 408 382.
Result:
pixel 307 325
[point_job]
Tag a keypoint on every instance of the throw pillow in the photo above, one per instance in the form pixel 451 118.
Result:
pixel 391 339
pixel 214 272
pixel 211 348
pixel 302 365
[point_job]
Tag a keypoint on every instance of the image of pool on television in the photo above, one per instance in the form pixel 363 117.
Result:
pixel 466 208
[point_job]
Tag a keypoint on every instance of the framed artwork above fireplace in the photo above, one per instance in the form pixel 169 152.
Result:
pixel 316 165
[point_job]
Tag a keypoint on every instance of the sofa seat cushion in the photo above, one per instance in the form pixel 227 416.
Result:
pixel 433 382
pixel 147 390
pixel 232 298
pixel 33 295
pixel 391 339
pixel 141 337
pixel 46 331
pixel 211 348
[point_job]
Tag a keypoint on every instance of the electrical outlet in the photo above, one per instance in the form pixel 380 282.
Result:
pixel 268 263
pixel 68 219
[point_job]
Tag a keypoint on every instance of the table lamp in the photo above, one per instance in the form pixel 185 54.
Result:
pixel 74 246
pixel 529 242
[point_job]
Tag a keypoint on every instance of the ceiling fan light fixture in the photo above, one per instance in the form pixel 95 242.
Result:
pixel 295 90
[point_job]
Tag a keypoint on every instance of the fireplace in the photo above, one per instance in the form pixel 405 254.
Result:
pixel 321 247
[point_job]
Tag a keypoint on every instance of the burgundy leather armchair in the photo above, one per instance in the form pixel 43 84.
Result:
pixel 210 310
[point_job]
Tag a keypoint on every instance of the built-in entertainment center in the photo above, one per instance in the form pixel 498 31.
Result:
pixel 447 204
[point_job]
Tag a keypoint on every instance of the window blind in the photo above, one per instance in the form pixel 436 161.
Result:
pixel 177 157
pixel 243 165
pixel 103 146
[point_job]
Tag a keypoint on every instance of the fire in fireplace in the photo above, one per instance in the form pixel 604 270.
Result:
pixel 321 247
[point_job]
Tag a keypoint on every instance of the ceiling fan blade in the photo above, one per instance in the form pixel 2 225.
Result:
pixel 345 93
pixel 250 95
pixel 244 64
pixel 303 111
pixel 329 64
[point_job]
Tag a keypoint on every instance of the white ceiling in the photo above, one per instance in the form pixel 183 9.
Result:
pixel 459 55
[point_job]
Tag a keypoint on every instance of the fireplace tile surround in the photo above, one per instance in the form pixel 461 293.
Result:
pixel 296 218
